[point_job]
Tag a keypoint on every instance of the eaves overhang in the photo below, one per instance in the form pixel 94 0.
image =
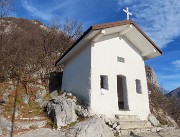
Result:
pixel 127 29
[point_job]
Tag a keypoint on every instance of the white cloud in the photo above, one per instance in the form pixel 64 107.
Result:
pixel 158 18
pixel 46 13
pixel 35 11
pixel 176 63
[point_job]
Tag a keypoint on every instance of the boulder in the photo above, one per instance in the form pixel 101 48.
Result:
pixel 153 120
pixel 61 111
pixel 92 127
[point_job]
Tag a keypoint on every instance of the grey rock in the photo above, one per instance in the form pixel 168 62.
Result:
pixel 40 96
pixel 25 99
pixel 110 123
pixel 144 130
pixel 124 132
pixel 93 127
pixel 114 125
pixel 159 129
pixel 74 99
pixel 137 131
pixel 152 77
pixel 82 112
pixel 17 113
pixel 69 94
pixel 118 127
pixel 79 107
pixel 64 94
pixel 153 120
pixel 54 94
pixel 61 111
pixel 6 95
pixel 10 82
pixel 4 123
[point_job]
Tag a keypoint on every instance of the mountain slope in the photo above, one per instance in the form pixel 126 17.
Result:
pixel 174 96
pixel 175 92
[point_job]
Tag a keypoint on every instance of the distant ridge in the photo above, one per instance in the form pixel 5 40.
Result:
pixel 175 93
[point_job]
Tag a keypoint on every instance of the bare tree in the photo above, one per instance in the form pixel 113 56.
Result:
pixel 72 28
pixel 26 48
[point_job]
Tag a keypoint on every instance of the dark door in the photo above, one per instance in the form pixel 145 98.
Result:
pixel 120 92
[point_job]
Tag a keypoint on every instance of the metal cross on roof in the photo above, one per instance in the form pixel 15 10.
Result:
pixel 127 12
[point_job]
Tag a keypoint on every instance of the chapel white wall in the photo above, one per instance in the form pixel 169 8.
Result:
pixel 104 62
pixel 76 74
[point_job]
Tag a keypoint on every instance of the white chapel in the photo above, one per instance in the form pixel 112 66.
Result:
pixel 105 69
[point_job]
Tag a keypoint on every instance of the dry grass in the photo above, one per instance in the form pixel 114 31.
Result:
pixel 15 102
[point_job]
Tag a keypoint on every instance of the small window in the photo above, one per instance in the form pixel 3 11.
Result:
pixel 138 86
pixel 120 59
pixel 104 82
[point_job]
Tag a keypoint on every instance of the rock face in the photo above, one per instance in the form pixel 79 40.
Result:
pixel 40 96
pixel 150 75
pixel 61 111
pixel 93 127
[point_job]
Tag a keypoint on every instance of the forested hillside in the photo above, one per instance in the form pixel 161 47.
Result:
pixel 28 46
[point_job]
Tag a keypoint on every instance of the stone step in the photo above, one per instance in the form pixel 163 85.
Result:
pixel 127 117
pixel 128 132
pixel 134 124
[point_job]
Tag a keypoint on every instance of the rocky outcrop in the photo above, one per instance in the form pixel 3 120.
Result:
pixel 40 96
pixel 64 109
pixel 150 75
pixel 93 127
pixel 61 111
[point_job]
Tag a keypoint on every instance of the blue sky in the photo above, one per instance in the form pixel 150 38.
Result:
pixel 158 19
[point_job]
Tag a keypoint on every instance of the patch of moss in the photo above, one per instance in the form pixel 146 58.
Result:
pixel 70 125
pixel 47 97
pixel 60 92
pixel 33 127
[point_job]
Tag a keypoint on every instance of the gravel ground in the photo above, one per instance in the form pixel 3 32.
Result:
pixel 44 132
